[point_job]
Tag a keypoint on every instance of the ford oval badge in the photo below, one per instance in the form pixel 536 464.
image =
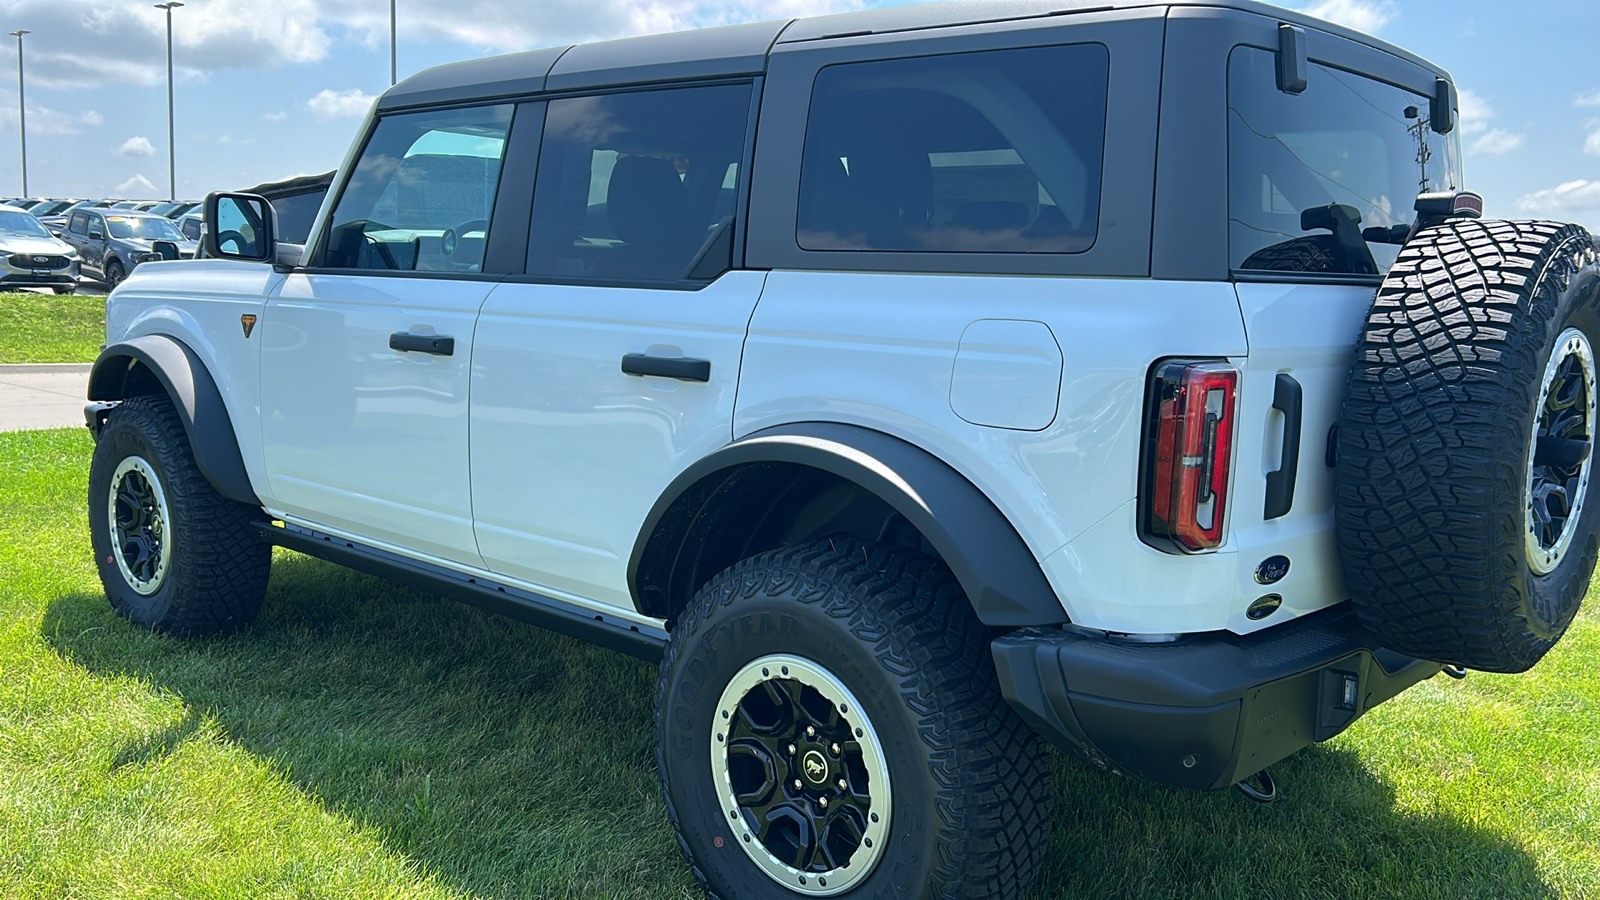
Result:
pixel 1272 570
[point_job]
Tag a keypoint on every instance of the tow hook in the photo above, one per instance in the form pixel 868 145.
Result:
pixel 1259 787
pixel 1456 672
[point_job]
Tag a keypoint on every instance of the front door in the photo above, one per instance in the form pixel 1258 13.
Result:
pixel 366 357
pixel 573 438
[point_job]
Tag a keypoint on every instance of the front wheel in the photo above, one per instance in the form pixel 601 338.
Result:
pixel 173 554
pixel 115 273
pixel 832 712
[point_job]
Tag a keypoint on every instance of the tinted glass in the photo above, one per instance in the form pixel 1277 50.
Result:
pixel 21 223
pixel 1325 181
pixel 190 228
pixel 149 228
pixel 79 223
pixel 632 186
pixel 297 214
pixel 991 152
pixel 422 194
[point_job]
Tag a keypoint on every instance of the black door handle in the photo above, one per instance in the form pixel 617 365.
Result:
pixel 682 367
pixel 1287 399
pixel 422 343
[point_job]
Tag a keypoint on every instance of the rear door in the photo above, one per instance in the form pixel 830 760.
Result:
pixel 605 371
pixel 1321 188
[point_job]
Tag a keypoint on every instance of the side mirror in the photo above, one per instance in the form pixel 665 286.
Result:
pixel 239 226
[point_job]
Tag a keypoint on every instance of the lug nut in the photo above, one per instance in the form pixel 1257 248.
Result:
pixel 835 749
pixel 822 802
pixel 791 749
pixel 843 785
pixel 811 731
pixel 798 785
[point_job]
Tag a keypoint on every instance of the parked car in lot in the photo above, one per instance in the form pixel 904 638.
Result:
pixel 914 386
pixel 30 256
pixel 112 243
pixel 47 208
pixel 58 221
pixel 191 225
pixel 174 210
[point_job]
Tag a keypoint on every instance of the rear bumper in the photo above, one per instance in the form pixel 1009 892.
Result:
pixel 1205 711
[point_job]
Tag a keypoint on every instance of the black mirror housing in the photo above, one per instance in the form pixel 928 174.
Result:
pixel 239 226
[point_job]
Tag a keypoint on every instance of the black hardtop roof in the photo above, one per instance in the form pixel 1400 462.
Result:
pixel 734 50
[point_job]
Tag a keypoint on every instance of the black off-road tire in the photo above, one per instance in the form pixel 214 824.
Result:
pixel 970 787
pixel 217 574
pixel 1433 460
pixel 115 273
pixel 65 290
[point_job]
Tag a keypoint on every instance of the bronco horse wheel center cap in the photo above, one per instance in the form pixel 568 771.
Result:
pixel 815 766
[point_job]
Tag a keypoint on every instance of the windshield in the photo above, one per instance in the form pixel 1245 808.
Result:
pixel 50 208
pixel 21 224
pixel 1324 181
pixel 146 227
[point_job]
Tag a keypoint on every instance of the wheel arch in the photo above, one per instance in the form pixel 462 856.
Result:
pixel 794 482
pixel 156 364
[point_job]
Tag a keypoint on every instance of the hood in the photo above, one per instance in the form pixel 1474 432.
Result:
pixel 13 243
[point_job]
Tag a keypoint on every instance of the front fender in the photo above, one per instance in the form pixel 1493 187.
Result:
pixel 173 367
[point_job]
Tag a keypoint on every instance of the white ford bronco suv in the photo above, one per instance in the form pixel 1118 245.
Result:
pixel 915 386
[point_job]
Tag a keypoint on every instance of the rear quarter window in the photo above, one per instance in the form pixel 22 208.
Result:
pixel 1323 182
pixel 996 151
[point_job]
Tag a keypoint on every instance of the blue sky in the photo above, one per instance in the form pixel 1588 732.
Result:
pixel 267 89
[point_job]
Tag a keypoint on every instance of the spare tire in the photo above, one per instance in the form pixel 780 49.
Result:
pixel 1466 445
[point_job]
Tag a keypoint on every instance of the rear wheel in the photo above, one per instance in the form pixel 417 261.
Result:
pixel 1467 444
pixel 832 712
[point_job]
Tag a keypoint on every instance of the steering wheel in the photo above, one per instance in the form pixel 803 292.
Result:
pixel 238 240
pixel 450 240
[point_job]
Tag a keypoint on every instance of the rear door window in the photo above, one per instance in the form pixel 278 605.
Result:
pixel 634 186
pixel 997 151
pixel 421 197
pixel 1324 182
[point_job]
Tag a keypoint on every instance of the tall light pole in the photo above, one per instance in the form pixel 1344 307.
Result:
pixel 22 110
pixel 172 147
pixel 393 51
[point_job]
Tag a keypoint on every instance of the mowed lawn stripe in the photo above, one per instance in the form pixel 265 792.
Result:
pixel 364 740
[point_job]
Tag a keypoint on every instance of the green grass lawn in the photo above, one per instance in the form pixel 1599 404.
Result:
pixel 45 328
pixel 363 740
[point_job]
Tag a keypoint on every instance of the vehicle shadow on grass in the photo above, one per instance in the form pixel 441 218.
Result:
pixel 510 761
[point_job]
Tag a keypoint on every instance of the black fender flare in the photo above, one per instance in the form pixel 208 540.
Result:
pixel 1002 579
pixel 194 393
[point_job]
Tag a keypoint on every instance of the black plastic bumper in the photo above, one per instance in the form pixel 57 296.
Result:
pixel 1205 711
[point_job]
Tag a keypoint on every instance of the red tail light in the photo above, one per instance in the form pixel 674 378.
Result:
pixel 1189 427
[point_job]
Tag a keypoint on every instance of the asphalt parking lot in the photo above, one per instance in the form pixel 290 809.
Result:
pixel 42 395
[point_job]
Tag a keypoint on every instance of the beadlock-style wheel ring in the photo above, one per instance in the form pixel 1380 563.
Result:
pixel 137 518
pixel 801 775
pixel 1560 452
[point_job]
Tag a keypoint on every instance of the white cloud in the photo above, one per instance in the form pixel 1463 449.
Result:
pixel 91 43
pixel 278 116
pixel 1497 141
pixel 1591 144
pixel 1573 197
pixel 1587 99
pixel 138 145
pixel 44 120
pixel 331 104
pixel 1476 111
pixel 138 187
pixel 1362 15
